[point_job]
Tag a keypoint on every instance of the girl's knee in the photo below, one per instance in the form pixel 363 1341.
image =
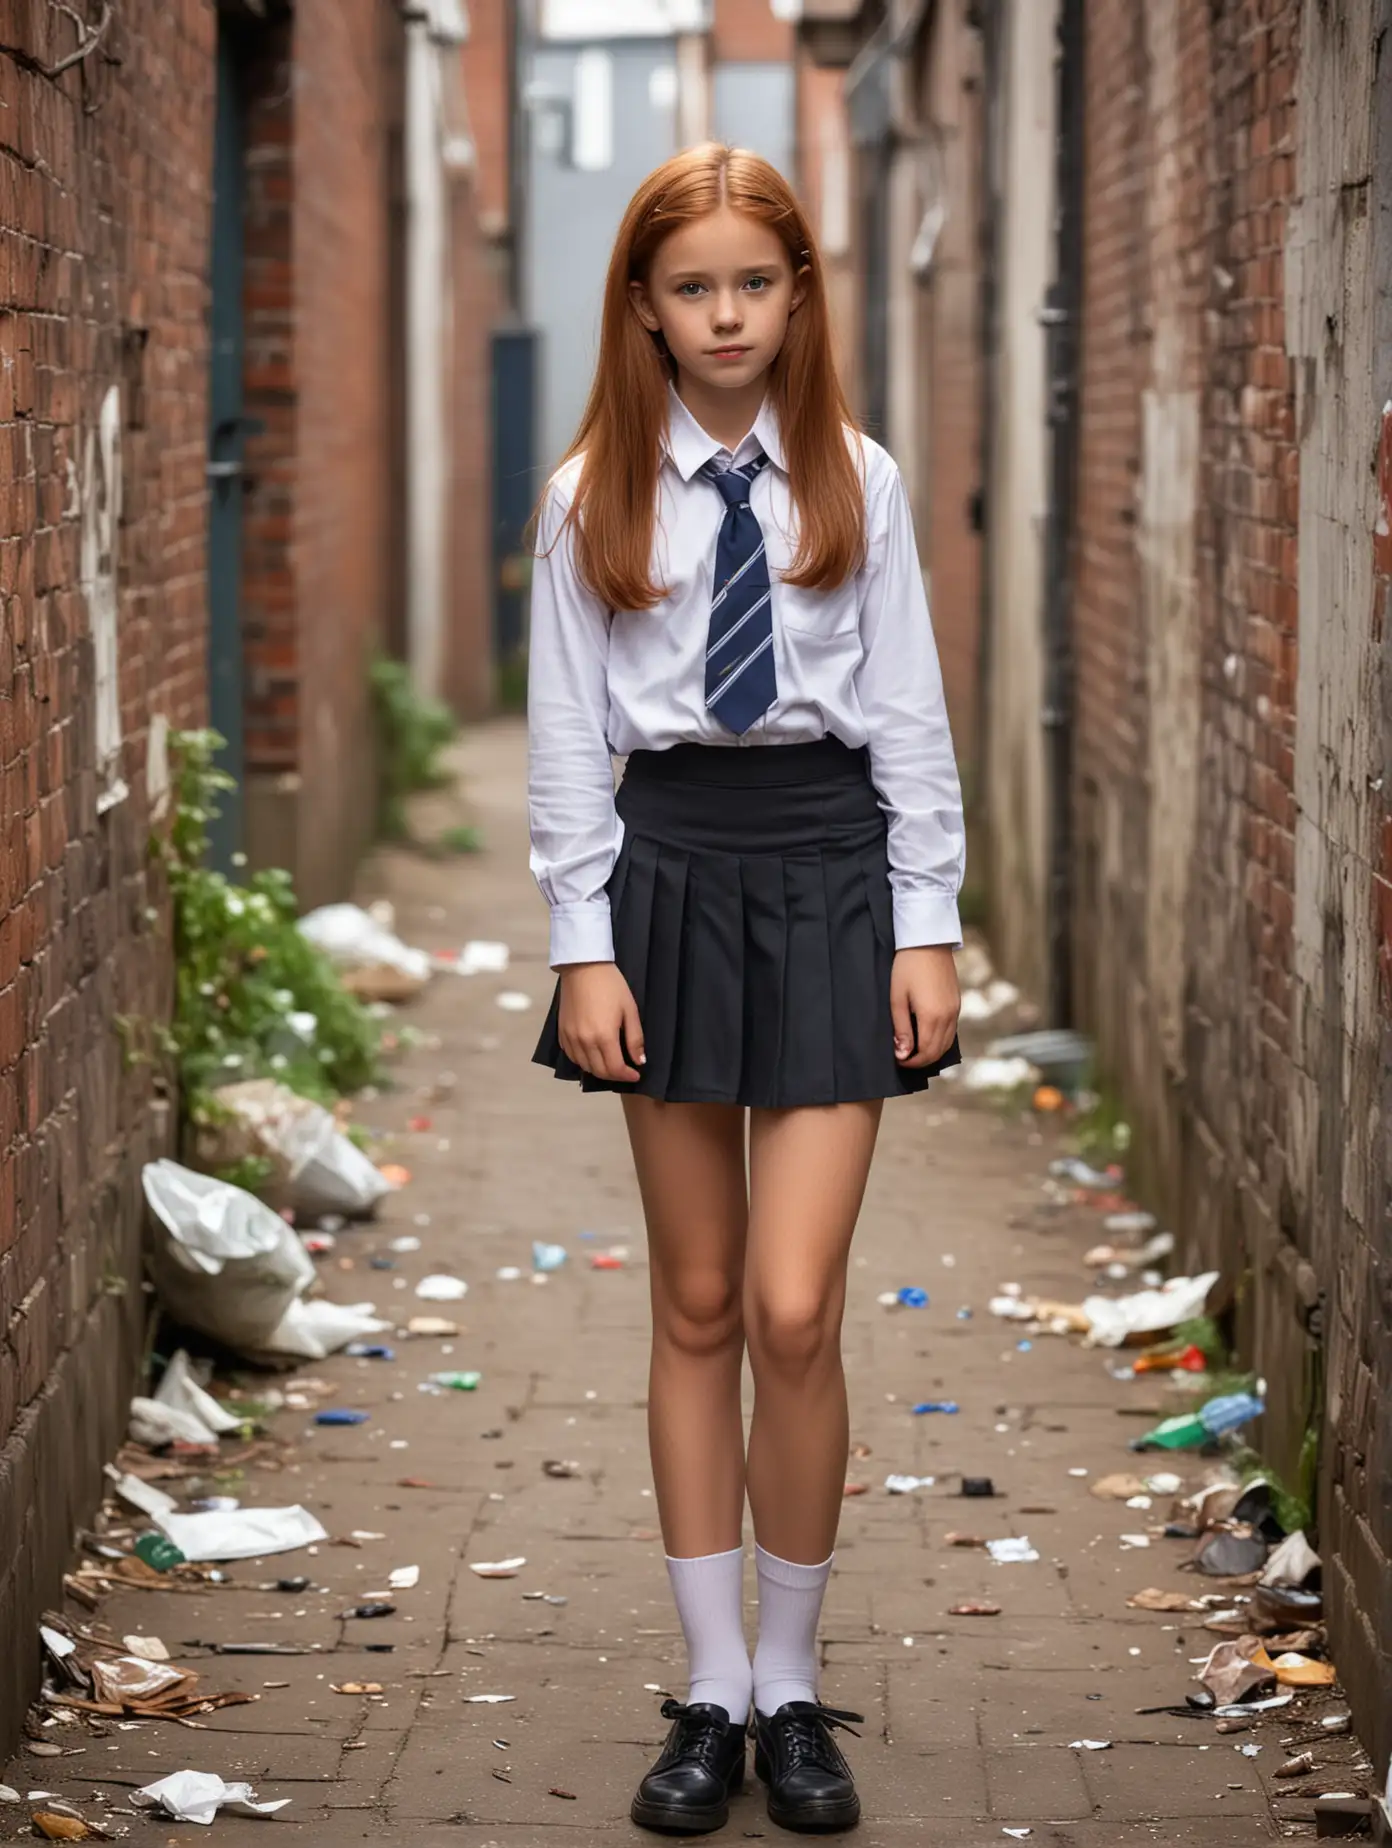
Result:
pixel 699 1312
pixel 793 1332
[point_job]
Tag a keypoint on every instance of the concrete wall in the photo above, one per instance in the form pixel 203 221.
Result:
pixel 104 198
pixel 574 213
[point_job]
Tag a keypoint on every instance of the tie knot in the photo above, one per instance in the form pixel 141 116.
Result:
pixel 734 483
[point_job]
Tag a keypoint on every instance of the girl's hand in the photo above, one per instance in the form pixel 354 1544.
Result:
pixel 924 989
pixel 597 1007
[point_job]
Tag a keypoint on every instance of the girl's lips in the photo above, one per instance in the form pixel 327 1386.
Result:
pixel 729 352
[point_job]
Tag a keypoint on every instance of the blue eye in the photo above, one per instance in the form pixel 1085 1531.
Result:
pixel 690 289
pixel 757 283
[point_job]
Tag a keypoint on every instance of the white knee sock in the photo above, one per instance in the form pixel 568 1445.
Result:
pixel 790 1602
pixel 709 1591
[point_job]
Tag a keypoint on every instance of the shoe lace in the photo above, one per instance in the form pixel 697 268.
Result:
pixel 807 1740
pixel 699 1735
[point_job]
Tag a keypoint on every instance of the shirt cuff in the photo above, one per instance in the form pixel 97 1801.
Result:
pixel 926 918
pixel 581 932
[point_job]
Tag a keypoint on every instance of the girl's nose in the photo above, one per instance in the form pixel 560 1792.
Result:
pixel 727 312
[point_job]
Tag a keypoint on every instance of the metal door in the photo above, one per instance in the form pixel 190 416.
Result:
pixel 227 427
pixel 515 490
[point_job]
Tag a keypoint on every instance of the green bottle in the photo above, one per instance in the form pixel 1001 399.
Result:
pixel 457 1382
pixel 158 1552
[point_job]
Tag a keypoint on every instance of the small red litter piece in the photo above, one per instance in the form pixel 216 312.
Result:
pixel 418 1125
pixel 605 1260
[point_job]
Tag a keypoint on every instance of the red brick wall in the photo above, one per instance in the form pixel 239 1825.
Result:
pixel 1220 995
pixel 319 506
pixel 480 229
pixel 1184 216
pixel 104 199
pixel 747 32
pixel 341 487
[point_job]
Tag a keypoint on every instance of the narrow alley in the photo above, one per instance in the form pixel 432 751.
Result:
pixel 521 1709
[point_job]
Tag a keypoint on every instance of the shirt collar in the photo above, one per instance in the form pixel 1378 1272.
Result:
pixel 690 447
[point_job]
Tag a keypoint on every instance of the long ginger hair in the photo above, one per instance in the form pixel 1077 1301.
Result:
pixel 614 510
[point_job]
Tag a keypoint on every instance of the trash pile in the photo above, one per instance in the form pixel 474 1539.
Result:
pixel 227 1265
pixel 89 1671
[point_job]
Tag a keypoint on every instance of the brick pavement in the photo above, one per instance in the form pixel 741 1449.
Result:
pixel 969 1721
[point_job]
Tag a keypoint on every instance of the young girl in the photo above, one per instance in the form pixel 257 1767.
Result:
pixel 727 594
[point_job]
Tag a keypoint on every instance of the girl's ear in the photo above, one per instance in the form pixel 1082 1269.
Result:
pixel 643 308
pixel 800 287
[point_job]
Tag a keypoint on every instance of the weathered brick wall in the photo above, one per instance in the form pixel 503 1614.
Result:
pixel 103 230
pixel 480 254
pixel 1230 715
pixel 319 506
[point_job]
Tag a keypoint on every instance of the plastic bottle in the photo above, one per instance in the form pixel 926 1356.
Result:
pixel 456 1382
pixel 1191 1430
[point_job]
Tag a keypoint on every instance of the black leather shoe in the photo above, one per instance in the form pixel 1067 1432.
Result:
pixel 688 1790
pixel 810 1787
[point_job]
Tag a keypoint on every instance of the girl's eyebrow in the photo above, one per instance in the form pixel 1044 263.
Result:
pixel 699 275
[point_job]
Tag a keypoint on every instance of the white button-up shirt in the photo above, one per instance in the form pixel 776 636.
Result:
pixel 858 662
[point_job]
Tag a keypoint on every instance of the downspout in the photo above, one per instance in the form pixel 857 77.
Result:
pixel 434 29
pixel 1061 316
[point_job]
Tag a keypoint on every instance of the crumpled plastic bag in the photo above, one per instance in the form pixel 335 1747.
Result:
pixel 372 961
pixel 1235 1670
pixel 315 1168
pixel 1114 1320
pixel 314 1330
pixel 119 1678
pixel 197 1796
pixel 180 1411
pixel 222 1261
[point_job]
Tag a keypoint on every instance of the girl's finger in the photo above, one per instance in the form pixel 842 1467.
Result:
pixel 902 1016
pixel 633 1033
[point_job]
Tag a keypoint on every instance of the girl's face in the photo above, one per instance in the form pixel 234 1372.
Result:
pixel 720 291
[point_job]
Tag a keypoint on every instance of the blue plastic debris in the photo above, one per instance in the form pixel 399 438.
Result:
pixel 1024 1346
pixel 912 1297
pixel 547 1257
pixel 964 1315
pixel 369 1350
pixel 338 1416
pixel 937 1405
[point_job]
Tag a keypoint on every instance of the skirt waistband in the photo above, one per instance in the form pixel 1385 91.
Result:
pixel 762 766
pixel 781 799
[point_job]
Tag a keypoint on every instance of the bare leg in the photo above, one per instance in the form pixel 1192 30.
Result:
pixel 690 1163
pixel 808 1170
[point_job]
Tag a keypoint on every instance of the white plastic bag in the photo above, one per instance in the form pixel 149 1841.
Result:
pixel 375 963
pixel 196 1796
pixel 222 1261
pixel 180 1391
pixel 314 1330
pixel 1113 1320
pixel 315 1167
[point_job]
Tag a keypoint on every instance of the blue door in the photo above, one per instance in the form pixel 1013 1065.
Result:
pixel 226 431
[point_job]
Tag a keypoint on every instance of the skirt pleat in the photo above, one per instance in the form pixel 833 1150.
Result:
pixel 753 922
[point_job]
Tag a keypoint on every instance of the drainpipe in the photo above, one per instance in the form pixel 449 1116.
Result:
pixel 435 29
pixel 1061 318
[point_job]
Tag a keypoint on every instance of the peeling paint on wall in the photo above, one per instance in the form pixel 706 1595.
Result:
pixel 100 515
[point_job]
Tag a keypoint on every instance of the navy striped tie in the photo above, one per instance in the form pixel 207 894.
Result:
pixel 740 681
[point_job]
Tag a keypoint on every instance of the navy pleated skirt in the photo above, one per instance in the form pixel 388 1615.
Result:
pixel 753 922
